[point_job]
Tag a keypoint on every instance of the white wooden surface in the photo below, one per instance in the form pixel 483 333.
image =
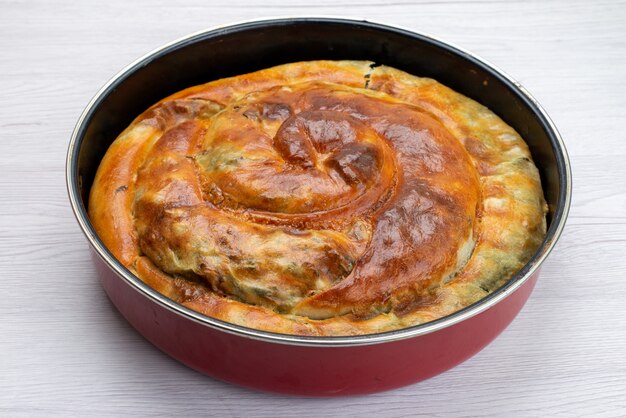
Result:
pixel 64 350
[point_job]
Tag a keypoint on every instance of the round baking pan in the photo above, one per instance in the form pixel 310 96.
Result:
pixel 316 366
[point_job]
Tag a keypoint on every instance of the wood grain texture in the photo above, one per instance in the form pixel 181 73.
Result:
pixel 66 351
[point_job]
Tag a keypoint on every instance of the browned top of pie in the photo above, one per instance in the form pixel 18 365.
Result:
pixel 320 198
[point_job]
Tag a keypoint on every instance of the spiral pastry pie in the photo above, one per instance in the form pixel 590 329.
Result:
pixel 320 198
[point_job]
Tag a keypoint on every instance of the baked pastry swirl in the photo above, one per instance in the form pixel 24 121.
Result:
pixel 320 198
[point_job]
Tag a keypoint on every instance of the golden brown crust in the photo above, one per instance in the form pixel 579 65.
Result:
pixel 320 198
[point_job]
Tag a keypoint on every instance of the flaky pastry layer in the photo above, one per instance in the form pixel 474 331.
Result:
pixel 320 198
